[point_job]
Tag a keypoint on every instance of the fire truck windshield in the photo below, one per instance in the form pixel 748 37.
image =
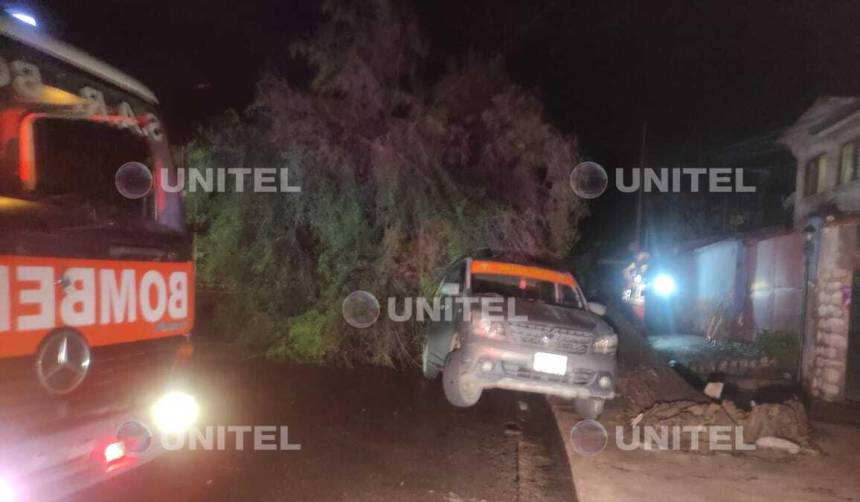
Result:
pixel 76 164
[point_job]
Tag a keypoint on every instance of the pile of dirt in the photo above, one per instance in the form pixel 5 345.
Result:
pixel 644 377
pixel 646 382
pixel 786 420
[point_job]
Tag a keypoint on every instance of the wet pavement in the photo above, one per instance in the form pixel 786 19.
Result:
pixel 365 434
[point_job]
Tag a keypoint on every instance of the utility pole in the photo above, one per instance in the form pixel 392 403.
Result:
pixel 638 237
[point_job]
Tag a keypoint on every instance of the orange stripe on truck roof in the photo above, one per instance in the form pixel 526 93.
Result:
pixel 527 271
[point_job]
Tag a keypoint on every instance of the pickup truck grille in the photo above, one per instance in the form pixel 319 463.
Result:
pixel 121 377
pixel 579 376
pixel 549 337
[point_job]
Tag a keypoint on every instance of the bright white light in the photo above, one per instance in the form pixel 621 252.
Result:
pixel 7 494
pixel 175 412
pixel 114 451
pixel 23 17
pixel 664 285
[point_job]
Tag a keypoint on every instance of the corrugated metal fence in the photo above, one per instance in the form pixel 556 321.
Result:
pixel 738 287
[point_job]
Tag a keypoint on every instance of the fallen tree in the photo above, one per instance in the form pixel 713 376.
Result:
pixel 403 167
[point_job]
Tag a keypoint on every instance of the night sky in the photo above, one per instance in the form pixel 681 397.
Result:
pixel 702 74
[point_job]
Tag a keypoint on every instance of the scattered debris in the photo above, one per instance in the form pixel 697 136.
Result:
pixel 714 389
pixel 513 429
pixel 786 420
pixel 778 444
pixel 453 497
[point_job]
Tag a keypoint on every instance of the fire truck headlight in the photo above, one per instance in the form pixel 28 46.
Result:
pixel 7 494
pixel 664 285
pixel 175 412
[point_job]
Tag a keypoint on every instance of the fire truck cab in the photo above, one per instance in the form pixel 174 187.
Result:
pixel 96 273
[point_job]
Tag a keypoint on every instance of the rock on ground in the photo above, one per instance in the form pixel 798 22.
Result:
pixel 787 420
pixel 778 444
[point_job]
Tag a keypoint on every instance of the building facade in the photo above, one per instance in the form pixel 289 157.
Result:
pixel 825 140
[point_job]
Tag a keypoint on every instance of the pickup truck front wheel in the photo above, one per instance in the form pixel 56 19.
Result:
pixel 460 388
pixel 590 407
pixel 427 367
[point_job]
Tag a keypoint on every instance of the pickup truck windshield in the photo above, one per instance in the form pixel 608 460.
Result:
pixel 527 288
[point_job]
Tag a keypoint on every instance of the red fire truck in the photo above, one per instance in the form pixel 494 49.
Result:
pixel 96 275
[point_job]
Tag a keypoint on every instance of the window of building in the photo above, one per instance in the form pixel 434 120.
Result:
pixel 816 175
pixel 848 163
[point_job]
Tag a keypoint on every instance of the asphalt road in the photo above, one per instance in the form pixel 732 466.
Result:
pixel 365 434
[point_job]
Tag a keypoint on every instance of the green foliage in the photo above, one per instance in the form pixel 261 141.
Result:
pixel 783 345
pixel 306 338
pixel 399 176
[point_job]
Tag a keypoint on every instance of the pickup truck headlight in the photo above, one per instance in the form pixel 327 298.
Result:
pixel 605 344
pixel 489 329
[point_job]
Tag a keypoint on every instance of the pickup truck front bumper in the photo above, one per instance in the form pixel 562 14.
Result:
pixel 502 365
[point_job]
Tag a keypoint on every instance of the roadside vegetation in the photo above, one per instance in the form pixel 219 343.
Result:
pixel 784 346
pixel 404 163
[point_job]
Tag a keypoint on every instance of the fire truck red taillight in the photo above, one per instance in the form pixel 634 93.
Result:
pixel 114 452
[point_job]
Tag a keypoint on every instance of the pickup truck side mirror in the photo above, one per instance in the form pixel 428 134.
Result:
pixel 450 289
pixel 597 308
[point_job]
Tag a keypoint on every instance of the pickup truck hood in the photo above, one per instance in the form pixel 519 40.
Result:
pixel 537 312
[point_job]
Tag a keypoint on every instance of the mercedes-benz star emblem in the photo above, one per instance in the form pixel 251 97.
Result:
pixel 63 362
